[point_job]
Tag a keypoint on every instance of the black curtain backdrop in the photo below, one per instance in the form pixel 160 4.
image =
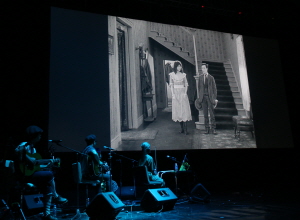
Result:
pixel 24 71
pixel 79 78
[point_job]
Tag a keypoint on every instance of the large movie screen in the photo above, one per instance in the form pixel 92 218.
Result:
pixel 179 88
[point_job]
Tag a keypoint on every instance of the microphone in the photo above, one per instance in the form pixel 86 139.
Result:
pixel 185 158
pixel 55 141
pixel 172 158
pixel 105 147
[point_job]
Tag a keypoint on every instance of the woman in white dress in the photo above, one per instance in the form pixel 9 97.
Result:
pixel 181 111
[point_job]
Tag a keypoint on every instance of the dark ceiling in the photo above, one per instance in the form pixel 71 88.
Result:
pixel 250 17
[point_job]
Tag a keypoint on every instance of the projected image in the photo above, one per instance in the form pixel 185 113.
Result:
pixel 177 87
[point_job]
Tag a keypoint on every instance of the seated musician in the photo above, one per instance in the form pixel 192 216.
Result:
pixel 93 168
pixel 147 160
pixel 44 180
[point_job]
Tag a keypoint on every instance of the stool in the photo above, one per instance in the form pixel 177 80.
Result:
pixel 242 123
pixel 77 175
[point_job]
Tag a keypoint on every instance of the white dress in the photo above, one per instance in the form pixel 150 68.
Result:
pixel 181 110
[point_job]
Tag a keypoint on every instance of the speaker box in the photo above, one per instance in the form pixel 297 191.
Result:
pixel 104 206
pixel 158 199
pixel 200 194
pixel 33 204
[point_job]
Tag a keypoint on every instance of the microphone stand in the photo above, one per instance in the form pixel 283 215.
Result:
pixel 133 161
pixel 175 172
pixel 110 169
pixel 155 166
pixel 78 214
pixel 23 182
pixel 121 176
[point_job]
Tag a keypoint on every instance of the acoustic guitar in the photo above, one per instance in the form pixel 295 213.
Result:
pixel 97 170
pixel 28 169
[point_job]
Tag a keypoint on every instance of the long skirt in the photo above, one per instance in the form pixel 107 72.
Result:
pixel 181 110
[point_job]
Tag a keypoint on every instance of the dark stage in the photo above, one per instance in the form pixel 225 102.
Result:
pixel 223 205
pixel 248 184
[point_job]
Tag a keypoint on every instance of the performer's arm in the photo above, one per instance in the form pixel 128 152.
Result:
pixel 185 85
pixel 95 158
pixel 22 156
pixel 214 90
pixel 28 159
pixel 31 160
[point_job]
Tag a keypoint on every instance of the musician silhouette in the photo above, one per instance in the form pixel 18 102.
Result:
pixel 147 160
pixel 93 168
pixel 44 180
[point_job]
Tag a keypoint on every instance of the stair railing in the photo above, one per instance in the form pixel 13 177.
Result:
pixel 177 34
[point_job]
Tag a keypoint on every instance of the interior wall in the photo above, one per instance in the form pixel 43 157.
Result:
pixel 231 54
pixel 210 45
pixel 115 121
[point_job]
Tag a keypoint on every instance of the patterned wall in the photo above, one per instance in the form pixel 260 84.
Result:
pixel 210 45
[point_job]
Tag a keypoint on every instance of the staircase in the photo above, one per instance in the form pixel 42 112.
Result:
pixel 234 89
pixel 177 48
pixel 229 97
pixel 230 103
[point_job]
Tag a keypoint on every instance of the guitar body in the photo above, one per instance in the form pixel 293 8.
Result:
pixel 98 170
pixel 27 169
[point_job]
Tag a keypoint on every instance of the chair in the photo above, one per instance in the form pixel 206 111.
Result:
pixel 77 175
pixel 14 188
pixel 142 181
pixel 242 123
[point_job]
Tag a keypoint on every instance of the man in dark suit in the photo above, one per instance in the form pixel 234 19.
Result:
pixel 207 97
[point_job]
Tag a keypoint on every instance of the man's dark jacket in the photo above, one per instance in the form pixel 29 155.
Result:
pixel 212 88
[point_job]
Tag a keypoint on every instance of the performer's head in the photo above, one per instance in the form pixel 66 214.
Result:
pixel 33 134
pixel 177 66
pixel 204 67
pixel 91 140
pixel 145 147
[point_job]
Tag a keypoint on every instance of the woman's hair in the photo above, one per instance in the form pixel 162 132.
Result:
pixel 177 63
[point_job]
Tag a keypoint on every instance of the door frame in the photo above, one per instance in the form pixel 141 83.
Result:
pixel 133 119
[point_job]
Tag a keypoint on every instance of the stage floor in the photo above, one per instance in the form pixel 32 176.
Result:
pixel 225 205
